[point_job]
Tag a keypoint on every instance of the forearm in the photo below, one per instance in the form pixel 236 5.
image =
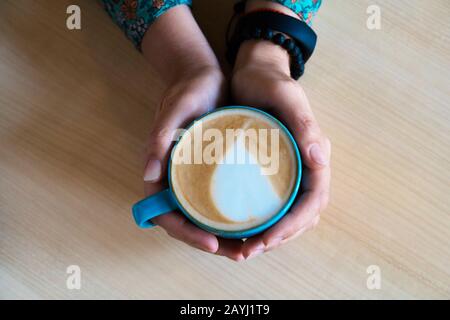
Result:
pixel 166 32
pixel 135 16
pixel 175 45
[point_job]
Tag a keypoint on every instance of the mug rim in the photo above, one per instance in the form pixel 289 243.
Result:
pixel 239 234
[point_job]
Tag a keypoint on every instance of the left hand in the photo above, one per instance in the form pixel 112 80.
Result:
pixel 261 78
pixel 177 49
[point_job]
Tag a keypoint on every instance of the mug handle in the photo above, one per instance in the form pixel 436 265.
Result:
pixel 155 205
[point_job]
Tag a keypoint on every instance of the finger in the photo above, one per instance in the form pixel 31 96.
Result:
pixel 152 188
pixel 231 248
pixel 315 188
pixel 261 244
pixel 318 183
pixel 299 118
pixel 275 244
pixel 297 220
pixel 304 214
pixel 313 224
pixel 178 227
pixel 164 131
pixel 253 247
pixel 309 140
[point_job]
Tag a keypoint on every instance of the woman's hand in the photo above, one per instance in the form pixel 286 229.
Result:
pixel 261 78
pixel 177 49
pixel 187 99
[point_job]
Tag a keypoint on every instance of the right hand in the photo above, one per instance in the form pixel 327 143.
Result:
pixel 261 77
pixel 192 94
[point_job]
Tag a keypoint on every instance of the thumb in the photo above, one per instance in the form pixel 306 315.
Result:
pixel 314 147
pixel 162 135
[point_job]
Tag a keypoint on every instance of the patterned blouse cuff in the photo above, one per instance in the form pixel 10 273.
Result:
pixel 306 9
pixel 134 17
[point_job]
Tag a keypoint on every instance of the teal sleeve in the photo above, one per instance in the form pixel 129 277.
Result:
pixel 306 9
pixel 135 16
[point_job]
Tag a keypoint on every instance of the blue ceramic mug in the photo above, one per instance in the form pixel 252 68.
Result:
pixel 166 201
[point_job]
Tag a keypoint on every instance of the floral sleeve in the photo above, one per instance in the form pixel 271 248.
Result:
pixel 135 16
pixel 306 9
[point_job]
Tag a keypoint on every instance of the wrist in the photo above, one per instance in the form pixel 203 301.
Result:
pixel 263 54
pixel 176 47
pixel 255 53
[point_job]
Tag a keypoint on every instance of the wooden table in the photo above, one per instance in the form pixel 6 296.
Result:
pixel 75 108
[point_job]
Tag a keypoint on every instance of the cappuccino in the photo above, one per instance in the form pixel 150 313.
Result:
pixel 233 169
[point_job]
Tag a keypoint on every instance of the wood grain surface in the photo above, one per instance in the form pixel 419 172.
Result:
pixel 75 109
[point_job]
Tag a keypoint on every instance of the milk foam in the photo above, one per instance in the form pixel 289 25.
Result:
pixel 239 191
pixel 230 195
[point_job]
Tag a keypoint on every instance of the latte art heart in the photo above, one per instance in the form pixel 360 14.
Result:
pixel 239 190
pixel 227 194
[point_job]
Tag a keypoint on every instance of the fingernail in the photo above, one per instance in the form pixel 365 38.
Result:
pixel 316 154
pixel 205 248
pixel 152 171
pixel 255 254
